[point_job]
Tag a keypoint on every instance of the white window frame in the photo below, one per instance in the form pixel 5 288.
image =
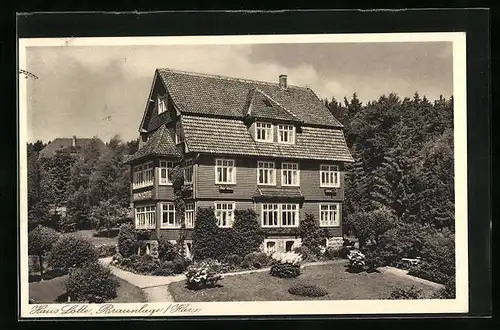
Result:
pixel 266 128
pixel 188 171
pixel 228 211
pixel 178 132
pixel 145 216
pixel 143 175
pixel 231 171
pixel 278 209
pixel 189 215
pixel 332 212
pixel 266 166
pixel 162 104
pixel 289 168
pixel 171 213
pixel 293 213
pixel 290 130
pixel 331 173
pixel 165 166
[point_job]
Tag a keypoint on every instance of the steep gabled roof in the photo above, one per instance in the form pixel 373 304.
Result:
pixel 261 105
pixel 231 137
pixel 159 144
pixel 212 95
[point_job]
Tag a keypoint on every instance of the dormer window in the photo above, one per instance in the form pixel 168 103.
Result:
pixel 162 105
pixel 264 132
pixel 286 134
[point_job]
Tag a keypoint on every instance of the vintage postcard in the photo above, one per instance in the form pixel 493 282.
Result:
pixel 243 175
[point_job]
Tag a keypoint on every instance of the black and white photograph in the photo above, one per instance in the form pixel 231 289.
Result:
pixel 292 174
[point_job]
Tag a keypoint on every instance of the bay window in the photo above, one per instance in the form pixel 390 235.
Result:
pixel 145 217
pixel 189 215
pixel 266 174
pixel 290 174
pixel 280 215
pixel 225 171
pixel 143 175
pixel 188 171
pixel 224 213
pixel 168 218
pixel 329 176
pixel 329 215
pixel 165 168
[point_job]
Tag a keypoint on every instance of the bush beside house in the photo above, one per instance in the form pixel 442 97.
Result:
pixel 72 251
pixel 40 242
pixel 92 282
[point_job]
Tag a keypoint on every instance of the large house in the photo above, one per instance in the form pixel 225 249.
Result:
pixel 243 144
pixel 73 145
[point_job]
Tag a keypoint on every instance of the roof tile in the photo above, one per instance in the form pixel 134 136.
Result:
pixel 160 143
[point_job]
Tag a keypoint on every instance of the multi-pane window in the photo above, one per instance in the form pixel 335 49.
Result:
pixel 290 174
pixel 189 215
pixel 266 174
pixel 280 215
pixel 286 134
pixel 264 132
pixel 329 176
pixel 168 218
pixel 178 132
pixel 289 215
pixel 225 171
pixel 143 175
pixel 145 217
pixel 162 105
pixel 188 171
pixel 329 215
pixel 165 168
pixel 224 213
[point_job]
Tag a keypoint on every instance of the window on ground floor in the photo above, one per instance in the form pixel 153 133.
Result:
pixel 168 218
pixel 145 217
pixel 280 215
pixel 224 213
pixel 189 215
pixel 329 215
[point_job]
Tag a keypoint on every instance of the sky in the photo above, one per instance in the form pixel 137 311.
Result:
pixel 87 91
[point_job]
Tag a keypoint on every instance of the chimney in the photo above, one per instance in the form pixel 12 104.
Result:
pixel 73 141
pixel 283 81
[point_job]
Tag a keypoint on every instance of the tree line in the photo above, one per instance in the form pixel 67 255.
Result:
pixel 92 185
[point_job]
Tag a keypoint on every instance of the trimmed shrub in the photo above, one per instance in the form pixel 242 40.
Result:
pixel 126 240
pixel 106 250
pixel 145 264
pixel 248 232
pixel 226 243
pixel 205 235
pixel 202 275
pixel 91 283
pixel 307 290
pixel 166 250
pixel 255 260
pixel 286 265
pixel 180 264
pixel 406 293
pixel 40 241
pixel 72 251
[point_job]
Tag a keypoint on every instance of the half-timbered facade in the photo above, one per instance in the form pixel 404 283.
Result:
pixel 242 144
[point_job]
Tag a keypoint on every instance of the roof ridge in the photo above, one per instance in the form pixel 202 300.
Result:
pixel 211 75
pixel 282 106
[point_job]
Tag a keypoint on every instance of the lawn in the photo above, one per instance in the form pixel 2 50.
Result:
pixel 97 240
pixel 54 291
pixel 340 284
